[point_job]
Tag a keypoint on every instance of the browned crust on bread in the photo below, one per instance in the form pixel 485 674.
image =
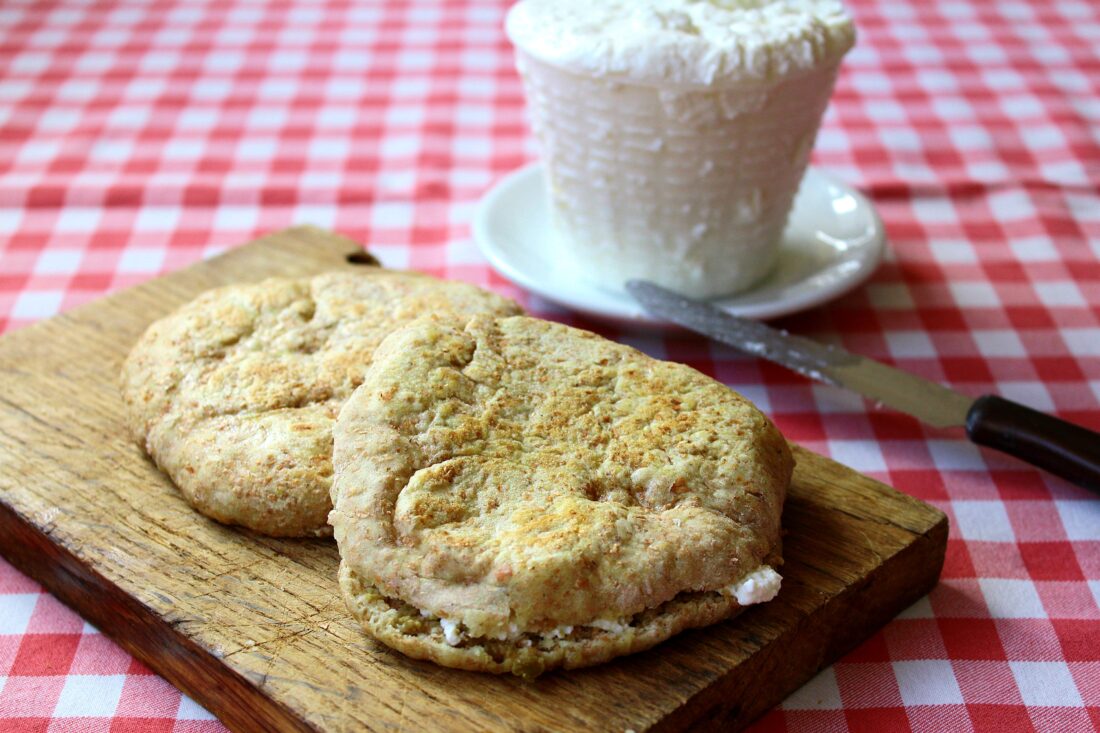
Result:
pixel 235 394
pixel 520 474
pixel 400 626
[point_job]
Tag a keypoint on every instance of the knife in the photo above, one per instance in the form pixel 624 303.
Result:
pixel 1062 448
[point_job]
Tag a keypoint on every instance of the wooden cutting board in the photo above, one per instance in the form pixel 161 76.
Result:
pixel 254 628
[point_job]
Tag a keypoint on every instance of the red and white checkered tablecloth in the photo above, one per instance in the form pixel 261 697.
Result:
pixel 139 136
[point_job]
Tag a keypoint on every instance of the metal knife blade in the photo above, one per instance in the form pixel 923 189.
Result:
pixel 927 401
pixel 1064 449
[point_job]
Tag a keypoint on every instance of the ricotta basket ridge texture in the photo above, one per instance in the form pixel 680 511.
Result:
pixel 234 395
pixel 518 495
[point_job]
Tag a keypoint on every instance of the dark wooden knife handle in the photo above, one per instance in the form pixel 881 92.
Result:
pixel 1062 448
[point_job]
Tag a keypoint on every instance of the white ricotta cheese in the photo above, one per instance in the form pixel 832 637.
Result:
pixel 451 632
pixel 690 42
pixel 615 627
pixel 675 133
pixel 759 586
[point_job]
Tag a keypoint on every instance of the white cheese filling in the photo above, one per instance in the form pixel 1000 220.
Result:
pixel 451 632
pixel 759 586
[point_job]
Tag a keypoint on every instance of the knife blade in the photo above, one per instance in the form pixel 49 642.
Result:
pixel 1057 446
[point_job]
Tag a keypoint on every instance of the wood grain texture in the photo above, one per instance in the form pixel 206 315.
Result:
pixel 254 628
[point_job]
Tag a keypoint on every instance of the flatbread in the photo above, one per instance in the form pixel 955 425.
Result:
pixel 517 495
pixel 234 395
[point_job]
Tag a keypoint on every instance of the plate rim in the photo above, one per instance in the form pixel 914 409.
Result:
pixel 874 248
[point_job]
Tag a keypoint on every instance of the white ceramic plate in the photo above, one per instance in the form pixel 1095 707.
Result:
pixel 833 242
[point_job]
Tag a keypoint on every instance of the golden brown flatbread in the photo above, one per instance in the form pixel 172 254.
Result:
pixel 234 395
pixel 517 495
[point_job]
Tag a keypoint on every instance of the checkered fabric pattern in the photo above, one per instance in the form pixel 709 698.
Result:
pixel 137 137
